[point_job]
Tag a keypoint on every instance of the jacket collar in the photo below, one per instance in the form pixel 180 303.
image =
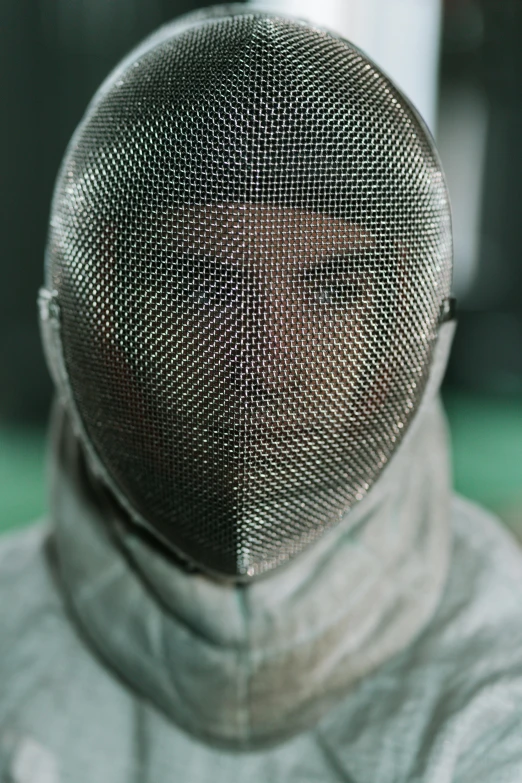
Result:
pixel 248 665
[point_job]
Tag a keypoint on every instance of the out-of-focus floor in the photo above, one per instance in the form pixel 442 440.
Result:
pixel 487 461
pixel 23 493
pixel 486 435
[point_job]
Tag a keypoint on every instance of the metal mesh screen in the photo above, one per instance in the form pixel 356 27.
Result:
pixel 250 242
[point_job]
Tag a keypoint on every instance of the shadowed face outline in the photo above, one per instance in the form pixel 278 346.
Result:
pixel 268 290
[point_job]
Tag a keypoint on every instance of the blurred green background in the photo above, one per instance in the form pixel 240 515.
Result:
pixel 22 468
pixel 486 433
pixel 487 460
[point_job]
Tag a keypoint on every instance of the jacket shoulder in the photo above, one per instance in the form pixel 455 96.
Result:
pixel 477 645
pixel 50 681
pixel 449 707
pixel 470 658
pixel 33 621
pixel 489 554
pixel 28 597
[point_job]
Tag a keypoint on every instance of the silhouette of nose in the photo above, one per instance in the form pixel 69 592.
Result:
pixel 260 359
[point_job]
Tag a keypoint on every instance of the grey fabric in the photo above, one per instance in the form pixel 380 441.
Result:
pixel 447 708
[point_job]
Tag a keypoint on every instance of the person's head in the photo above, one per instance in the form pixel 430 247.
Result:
pixel 249 252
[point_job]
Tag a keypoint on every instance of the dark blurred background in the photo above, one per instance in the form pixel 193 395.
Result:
pixel 54 55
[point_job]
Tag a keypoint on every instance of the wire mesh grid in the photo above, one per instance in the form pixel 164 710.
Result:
pixel 251 246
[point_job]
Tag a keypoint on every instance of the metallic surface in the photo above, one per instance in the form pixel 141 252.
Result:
pixel 250 245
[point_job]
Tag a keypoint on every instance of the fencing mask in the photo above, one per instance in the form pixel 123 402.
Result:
pixel 248 264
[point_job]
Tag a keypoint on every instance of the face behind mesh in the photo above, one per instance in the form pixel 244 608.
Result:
pixel 250 243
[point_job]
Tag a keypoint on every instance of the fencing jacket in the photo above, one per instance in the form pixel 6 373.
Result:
pixel 390 652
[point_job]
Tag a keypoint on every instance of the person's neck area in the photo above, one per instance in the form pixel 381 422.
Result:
pixel 248 665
